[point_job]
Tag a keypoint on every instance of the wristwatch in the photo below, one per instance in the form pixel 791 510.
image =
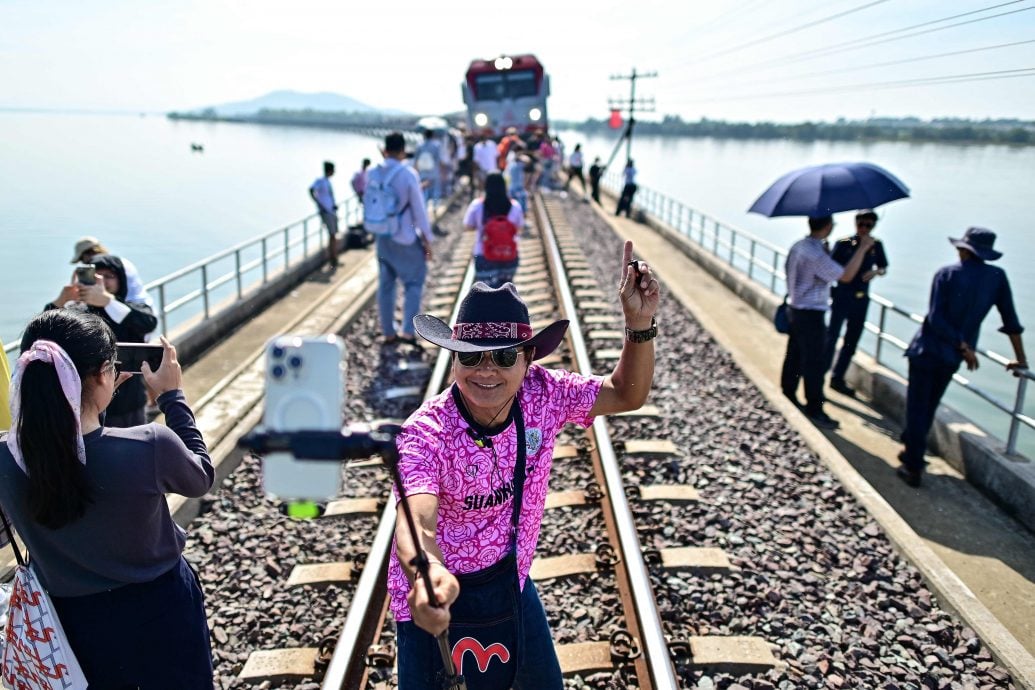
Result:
pixel 644 335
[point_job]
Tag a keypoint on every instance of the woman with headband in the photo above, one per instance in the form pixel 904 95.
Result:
pixel 89 503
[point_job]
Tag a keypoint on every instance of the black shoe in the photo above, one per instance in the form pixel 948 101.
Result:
pixel 841 387
pixel 823 420
pixel 909 476
pixel 794 399
pixel 437 230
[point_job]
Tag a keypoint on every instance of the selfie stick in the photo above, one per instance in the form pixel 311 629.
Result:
pixel 356 444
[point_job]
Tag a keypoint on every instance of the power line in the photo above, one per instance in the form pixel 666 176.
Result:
pixel 787 32
pixel 872 39
pixel 889 63
pixel 900 83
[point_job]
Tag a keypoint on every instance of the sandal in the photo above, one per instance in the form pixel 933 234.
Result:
pixel 410 340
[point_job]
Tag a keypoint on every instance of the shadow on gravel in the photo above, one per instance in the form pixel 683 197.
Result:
pixel 933 510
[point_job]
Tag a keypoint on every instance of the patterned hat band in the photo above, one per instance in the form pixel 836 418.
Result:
pixel 492 330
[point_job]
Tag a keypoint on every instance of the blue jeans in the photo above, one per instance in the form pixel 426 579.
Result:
pixel 845 307
pixel 927 383
pixel 538 668
pixel 404 263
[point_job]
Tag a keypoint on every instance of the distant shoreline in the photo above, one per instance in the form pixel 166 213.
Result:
pixel 906 130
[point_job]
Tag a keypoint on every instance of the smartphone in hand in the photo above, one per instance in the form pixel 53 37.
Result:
pixel 129 356
pixel 85 274
pixel 305 390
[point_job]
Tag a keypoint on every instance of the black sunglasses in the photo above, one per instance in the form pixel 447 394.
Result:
pixel 504 359
pixel 864 224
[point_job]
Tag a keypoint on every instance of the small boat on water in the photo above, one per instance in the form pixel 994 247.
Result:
pixel 198 148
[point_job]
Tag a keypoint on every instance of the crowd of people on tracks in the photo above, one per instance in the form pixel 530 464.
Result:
pixel 83 475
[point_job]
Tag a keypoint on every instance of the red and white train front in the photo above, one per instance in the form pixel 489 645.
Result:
pixel 508 91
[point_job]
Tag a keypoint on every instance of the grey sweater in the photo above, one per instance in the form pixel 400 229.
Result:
pixel 127 534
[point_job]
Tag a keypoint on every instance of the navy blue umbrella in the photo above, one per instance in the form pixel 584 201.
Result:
pixel 823 190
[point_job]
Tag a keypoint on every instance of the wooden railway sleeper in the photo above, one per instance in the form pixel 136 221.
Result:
pixel 624 647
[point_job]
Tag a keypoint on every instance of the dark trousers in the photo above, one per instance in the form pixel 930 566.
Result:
pixel 539 669
pixel 804 357
pixel 152 635
pixel 927 383
pixel 851 310
pixel 594 187
pixel 625 201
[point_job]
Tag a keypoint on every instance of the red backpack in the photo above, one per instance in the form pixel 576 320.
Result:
pixel 498 243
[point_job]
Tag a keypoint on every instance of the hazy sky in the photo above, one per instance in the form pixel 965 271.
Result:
pixel 733 59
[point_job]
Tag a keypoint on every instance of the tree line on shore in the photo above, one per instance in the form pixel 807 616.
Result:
pixel 944 130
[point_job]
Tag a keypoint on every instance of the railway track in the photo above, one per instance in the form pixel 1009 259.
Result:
pixel 683 554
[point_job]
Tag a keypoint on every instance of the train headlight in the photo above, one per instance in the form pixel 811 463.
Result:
pixel 534 114
pixel 481 119
pixel 503 62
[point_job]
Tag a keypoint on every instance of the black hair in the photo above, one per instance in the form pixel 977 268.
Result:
pixel 497 203
pixel 328 168
pixel 395 142
pixel 866 215
pixel 58 487
pixel 819 222
pixel 428 134
pixel 366 162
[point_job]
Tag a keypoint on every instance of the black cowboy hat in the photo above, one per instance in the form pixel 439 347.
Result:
pixel 490 319
pixel 979 241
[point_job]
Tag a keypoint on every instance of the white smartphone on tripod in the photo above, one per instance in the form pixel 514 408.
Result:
pixel 305 390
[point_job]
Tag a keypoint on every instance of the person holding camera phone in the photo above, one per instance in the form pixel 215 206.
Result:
pixel 89 504
pixel 475 464
pixel 131 322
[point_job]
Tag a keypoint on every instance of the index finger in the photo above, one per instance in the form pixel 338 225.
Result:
pixel 169 349
pixel 627 253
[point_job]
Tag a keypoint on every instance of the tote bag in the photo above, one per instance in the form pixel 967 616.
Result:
pixel 36 654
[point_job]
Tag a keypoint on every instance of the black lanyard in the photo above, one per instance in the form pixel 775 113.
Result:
pixel 10 538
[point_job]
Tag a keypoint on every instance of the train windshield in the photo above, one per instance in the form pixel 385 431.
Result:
pixel 497 86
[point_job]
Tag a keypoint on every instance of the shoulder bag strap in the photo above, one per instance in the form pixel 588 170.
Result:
pixel 519 471
pixel 14 545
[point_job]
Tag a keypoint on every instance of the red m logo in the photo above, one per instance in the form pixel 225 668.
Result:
pixel 481 654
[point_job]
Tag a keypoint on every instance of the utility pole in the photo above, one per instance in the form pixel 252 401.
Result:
pixel 643 105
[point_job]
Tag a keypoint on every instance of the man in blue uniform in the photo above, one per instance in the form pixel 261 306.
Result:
pixel 961 296
pixel 851 300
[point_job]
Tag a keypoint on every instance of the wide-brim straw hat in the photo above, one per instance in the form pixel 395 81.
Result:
pixel 490 319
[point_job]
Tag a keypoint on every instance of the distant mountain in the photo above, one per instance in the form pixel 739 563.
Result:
pixel 295 100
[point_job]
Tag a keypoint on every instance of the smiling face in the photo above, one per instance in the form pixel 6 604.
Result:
pixel 487 388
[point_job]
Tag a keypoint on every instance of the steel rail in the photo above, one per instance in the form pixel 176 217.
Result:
pixel 348 659
pixel 658 658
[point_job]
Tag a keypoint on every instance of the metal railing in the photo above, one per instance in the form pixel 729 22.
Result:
pixel 762 263
pixel 193 291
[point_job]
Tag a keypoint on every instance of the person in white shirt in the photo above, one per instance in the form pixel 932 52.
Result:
pixel 323 194
pixel 575 163
pixel 485 160
pixel 403 254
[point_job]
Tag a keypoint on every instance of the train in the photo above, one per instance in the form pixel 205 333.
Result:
pixel 507 91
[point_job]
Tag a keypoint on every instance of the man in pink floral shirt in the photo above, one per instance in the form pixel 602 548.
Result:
pixel 467 453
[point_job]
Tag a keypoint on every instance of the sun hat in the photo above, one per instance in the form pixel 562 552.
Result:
pixel 490 319
pixel 84 245
pixel 979 241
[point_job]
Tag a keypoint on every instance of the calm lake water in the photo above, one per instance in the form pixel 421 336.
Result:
pixel 134 182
